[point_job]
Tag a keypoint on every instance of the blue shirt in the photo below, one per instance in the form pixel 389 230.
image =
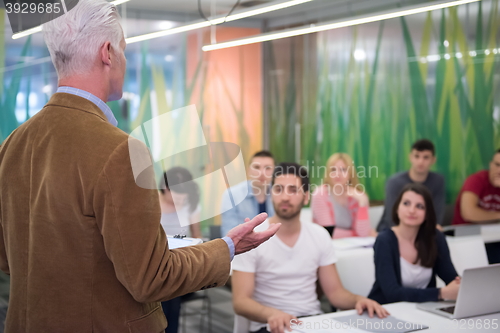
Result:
pixel 249 207
pixel 94 99
pixel 112 120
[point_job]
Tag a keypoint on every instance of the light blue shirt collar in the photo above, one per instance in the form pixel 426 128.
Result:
pixel 94 99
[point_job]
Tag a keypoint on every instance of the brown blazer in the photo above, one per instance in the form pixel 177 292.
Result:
pixel 81 241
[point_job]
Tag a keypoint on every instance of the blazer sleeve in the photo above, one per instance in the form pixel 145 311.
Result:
pixel 4 263
pixel 444 267
pixel 128 217
pixel 386 275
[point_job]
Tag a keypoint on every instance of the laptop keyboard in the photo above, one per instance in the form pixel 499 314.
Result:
pixel 450 309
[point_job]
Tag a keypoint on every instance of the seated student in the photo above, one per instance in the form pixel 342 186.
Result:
pixel 338 202
pixel 479 202
pixel 409 255
pixel 422 158
pixel 179 203
pixel 276 282
pixel 257 201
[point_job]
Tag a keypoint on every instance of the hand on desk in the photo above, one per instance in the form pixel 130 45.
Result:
pixel 245 239
pixel 450 292
pixel 372 307
pixel 279 321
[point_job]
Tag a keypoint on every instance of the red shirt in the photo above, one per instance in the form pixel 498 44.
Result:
pixel 479 184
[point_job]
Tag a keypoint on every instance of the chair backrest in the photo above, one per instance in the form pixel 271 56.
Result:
pixel 241 324
pixel 467 252
pixel 356 270
pixel 375 214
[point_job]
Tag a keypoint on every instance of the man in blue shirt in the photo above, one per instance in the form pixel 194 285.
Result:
pixel 260 174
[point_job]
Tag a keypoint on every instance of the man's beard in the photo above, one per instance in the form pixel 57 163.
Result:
pixel 290 214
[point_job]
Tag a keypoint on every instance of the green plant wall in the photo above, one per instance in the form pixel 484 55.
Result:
pixel 378 87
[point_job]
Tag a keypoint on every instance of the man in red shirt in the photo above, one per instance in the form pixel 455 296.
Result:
pixel 479 201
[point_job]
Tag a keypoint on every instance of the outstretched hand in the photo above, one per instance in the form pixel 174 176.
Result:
pixel 245 239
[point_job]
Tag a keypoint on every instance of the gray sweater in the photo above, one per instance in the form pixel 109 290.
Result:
pixel 393 187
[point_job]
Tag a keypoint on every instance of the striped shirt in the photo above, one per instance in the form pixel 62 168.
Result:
pixel 324 214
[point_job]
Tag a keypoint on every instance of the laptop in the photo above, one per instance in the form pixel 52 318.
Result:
pixel 479 294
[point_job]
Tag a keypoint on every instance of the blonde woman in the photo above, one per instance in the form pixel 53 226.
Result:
pixel 341 201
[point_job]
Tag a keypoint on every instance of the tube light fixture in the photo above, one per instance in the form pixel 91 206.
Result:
pixel 337 24
pixel 220 19
pixel 39 28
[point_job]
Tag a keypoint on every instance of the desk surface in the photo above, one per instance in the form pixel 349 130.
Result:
pixel 409 312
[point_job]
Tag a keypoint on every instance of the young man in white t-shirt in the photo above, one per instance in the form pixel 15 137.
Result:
pixel 276 283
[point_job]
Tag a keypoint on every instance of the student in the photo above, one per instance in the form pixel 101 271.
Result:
pixel 422 158
pixel 277 282
pixel 257 199
pixel 179 204
pixel 339 202
pixel 409 255
pixel 479 202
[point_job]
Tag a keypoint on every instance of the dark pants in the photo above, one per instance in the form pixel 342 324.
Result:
pixel 262 330
pixel 172 309
pixel 493 251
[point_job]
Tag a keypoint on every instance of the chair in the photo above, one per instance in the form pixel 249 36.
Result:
pixel 356 270
pixel 241 324
pixel 375 214
pixel 467 252
pixel 205 312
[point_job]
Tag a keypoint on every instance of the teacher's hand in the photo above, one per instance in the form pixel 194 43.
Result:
pixel 245 239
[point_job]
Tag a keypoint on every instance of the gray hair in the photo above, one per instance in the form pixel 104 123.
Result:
pixel 75 38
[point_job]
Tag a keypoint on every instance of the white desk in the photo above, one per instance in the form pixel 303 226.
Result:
pixel 408 312
pixel 489 232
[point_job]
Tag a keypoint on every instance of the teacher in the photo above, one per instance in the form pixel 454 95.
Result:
pixel 80 239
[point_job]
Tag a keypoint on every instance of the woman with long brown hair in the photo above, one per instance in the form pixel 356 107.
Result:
pixel 410 255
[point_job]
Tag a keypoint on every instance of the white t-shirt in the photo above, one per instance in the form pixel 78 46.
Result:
pixel 285 277
pixel 414 276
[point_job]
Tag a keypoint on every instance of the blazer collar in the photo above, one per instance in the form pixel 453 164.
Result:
pixel 76 103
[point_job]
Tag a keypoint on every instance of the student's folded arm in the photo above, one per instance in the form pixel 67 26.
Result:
pixel 386 276
pixel 128 218
pixel 444 266
pixel 320 209
pixel 472 213
pixel 361 222
pixel 243 284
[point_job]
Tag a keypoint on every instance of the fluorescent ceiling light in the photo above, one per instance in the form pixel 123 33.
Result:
pixel 219 20
pixel 39 28
pixel 119 2
pixel 27 32
pixel 337 24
